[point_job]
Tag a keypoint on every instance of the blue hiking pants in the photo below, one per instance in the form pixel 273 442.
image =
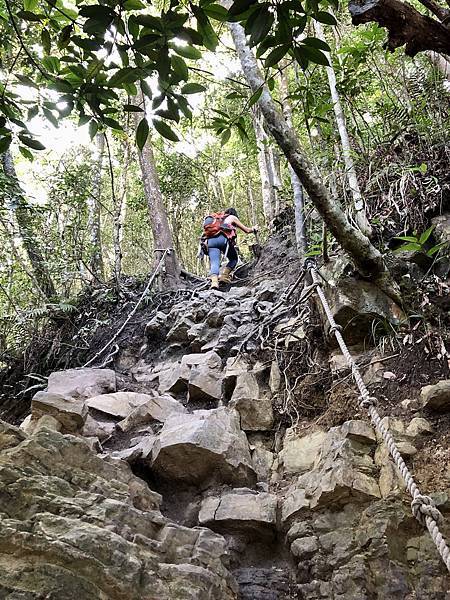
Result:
pixel 216 246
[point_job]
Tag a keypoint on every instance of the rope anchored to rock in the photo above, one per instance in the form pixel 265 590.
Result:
pixel 423 507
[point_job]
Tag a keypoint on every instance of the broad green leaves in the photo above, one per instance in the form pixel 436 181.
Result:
pixel 95 53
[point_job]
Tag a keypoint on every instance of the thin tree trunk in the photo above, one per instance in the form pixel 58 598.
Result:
pixel 297 189
pixel 276 177
pixel 358 202
pixel 441 64
pixel 367 258
pixel 119 214
pixel 159 222
pixel 24 218
pixel 264 167
pixel 94 214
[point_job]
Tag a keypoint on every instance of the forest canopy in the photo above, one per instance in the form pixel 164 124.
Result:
pixel 123 123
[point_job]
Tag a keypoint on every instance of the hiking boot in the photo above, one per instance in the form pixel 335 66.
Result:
pixel 214 282
pixel 226 275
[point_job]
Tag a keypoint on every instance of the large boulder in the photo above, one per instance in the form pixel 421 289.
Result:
pixel 82 383
pixel 207 445
pixel 242 510
pixel 437 396
pixel 204 375
pixel 343 471
pixel 70 412
pixel 299 453
pixel 253 402
pixel 73 525
pixel 355 303
pixel 119 404
pixel 157 408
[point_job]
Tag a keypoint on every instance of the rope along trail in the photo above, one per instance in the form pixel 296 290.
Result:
pixel 423 507
pixel 138 303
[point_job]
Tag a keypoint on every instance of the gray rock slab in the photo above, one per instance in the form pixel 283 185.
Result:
pixel 202 446
pixel 82 383
pixel 70 412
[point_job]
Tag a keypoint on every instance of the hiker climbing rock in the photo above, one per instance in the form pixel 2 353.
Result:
pixel 219 237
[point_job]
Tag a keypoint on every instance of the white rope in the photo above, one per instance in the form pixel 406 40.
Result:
pixel 127 320
pixel 423 507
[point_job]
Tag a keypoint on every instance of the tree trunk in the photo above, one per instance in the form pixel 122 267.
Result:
pixel 358 202
pixel 406 25
pixel 276 177
pixel 441 64
pixel 264 168
pixel 159 222
pixel 119 213
pixel 94 215
pixel 367 258
pixel 297 189
pixel 24 218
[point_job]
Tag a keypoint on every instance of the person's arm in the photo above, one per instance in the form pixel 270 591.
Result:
pixel 240 225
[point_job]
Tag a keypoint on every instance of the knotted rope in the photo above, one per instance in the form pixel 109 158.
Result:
pixel 423 507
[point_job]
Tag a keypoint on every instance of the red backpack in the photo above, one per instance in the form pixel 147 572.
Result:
pixel 214 224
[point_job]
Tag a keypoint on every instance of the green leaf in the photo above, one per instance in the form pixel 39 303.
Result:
pixel 316 43
pixel 423 168
pixel 432 251
pixel 133 5
pixel 50 117
pixel 130 88
pixel 325 17
pixel 112 123
pixel 187 51
pixel 146 89
pixel 216 12
pixel 31 143
pixel 180 67
pixel 142 132
pixel 425 235
pixel 27 15
pixel 240 6
pixel 51 63
pixel 32 112
pixel 132 108
pixel 97 11
pixel 261 26
pixel 163 129
pixel 255 97
pixel 93 128
pixel 271 84
pixel 125 75
pixel 150 21
pixel 64 36
pixel 225 136
pixel 301 57
pixel 5 143
pixel 46 41
pixel 276 55
pixel 26 153
pixel 83 120
pixel 233 95
pixel 407 238
pixel 30 5
pixel 24 80
pixel 192 88
pixel 409 247
pixel 315 56
pixel 210 39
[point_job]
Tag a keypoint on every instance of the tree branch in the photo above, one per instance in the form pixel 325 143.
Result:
pixel 405 24
pixel 441 13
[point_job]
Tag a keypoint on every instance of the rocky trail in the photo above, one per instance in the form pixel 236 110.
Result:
pixel 222 455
